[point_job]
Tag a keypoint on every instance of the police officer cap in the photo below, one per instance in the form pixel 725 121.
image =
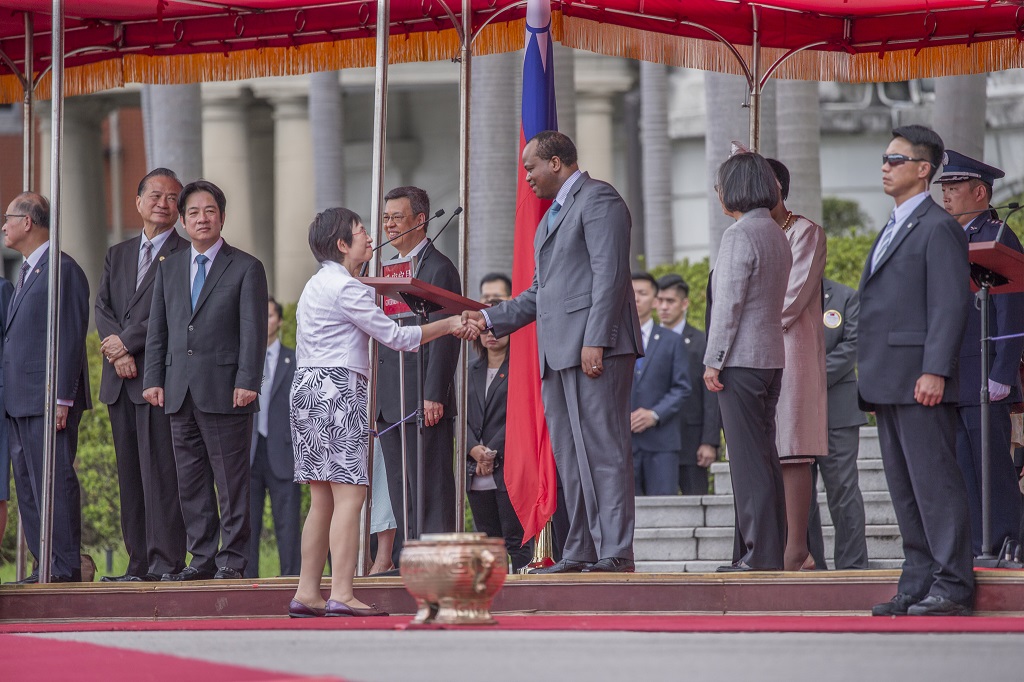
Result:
pixel 957 167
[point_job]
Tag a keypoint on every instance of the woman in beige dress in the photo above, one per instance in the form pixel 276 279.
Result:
pixel 802 416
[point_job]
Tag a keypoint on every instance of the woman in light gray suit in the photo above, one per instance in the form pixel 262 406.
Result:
pixel 745 355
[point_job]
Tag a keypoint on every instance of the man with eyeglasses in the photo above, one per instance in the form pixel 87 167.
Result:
pixel 966 194
pixel 27 231
pixel 405 213
pixel 914 301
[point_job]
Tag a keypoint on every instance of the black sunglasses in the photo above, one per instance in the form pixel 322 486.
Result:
pixel 899 159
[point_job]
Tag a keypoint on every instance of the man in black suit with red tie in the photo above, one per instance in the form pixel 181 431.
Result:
pixel 204 365
pixel 151 522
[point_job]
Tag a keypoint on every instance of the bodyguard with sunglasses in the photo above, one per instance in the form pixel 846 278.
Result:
pixel 914 302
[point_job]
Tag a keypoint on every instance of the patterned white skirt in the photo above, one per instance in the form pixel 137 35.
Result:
pixel 329 425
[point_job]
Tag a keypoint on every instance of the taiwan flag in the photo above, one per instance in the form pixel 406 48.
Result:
pixel 529 462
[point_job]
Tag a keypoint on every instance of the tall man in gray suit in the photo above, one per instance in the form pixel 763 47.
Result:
pixel 588 338
pixel 27 231
pixel 151 523
pixel 839 469
pixel 914 299
pixel 204 365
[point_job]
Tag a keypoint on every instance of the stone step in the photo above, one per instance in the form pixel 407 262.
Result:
pixel 710 566
pixel 718 510
pixel 872 477
pixel 670 511
pixel 869 448
pixel 715 544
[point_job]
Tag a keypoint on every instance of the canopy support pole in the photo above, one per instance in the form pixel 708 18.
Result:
pixel 465 81
pixel 755 85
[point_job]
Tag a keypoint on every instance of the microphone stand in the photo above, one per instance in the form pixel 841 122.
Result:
pixel 440 212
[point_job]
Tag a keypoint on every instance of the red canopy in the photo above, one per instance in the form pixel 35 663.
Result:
pixel 112 42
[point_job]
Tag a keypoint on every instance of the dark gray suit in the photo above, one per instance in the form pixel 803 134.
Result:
pixel 582 296
pixel 273 471
pixel 701 421
pixel 25 387
pixel 839 469
pixel 661 383
pixel 151 522
pixel 199 358
pixel 913 308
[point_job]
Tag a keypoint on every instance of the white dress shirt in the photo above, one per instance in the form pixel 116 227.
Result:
pixel 336 317
pixel 157 242
pixel 645 330
pixel 193 267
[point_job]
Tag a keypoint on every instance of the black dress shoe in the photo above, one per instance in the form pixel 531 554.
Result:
pixel 227 573
pixel 563 566
pixel 611 565
pixel 126 578
pixel 933 605
pixel 31 579
pixel 187 573
pixel 151 578
pixel 738 567
pixel 897 606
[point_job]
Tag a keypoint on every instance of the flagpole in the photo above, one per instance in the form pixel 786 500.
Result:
pixel 465 73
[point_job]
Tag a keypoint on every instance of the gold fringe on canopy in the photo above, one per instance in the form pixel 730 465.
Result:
pixel 710 55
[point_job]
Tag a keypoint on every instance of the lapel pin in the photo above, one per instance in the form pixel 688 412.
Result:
pixel 287 361
pixel 686 340
pixel 38 271
pixel 501 376
pixel 162 257
pixel 657 336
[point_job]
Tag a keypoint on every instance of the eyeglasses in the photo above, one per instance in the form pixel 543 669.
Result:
pixel 898 159
pixel 8 216
pixel 361 230
pixel 396 218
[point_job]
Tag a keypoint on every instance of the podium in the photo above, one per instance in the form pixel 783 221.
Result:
pixel 995 269
pixel 423 299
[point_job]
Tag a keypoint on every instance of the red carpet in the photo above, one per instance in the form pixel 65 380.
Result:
pixel 41 660
pixel 625 623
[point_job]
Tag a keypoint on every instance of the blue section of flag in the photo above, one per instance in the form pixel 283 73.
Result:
pixel 539 112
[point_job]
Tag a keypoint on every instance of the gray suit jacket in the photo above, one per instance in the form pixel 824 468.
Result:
pixel 749 286
pixel 842 306
pixel 582 289
pixel 913 309
pixel 217 348
pixel 124 310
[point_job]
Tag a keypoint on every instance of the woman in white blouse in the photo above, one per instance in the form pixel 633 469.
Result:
pixel 336 317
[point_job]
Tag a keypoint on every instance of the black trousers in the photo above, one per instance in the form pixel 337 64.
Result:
pixel 285 503
pixel 494 515
pixel 845 502
pixel 151 521
pixel 208 449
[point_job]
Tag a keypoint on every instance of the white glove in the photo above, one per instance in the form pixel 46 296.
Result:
pixel 997 391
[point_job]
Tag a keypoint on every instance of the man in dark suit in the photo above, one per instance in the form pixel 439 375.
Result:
pixel 204 366
pixel 966 194
pixel 27 230
pixel 151 523
pixel 404 208
pixel 588 338
pixel 839 469
pixel 701 421
pixel 272 457
pixel 660 385
pixel 6 292
pixel 914 300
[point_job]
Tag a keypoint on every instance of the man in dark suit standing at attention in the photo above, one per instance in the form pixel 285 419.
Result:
pixel 966 194
pixel 404 208
pixel 204 365
pixel 151 523
pixel 914 300
pixel 660 385
pixel 27 231
pixel 839 469
pixel 588 339
pixel 272 457
pixel 701 421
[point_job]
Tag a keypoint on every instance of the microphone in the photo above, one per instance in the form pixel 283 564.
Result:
pixel 1012 205
pixel 419 265
pixel 440 212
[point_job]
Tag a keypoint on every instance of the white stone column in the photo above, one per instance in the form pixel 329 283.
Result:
pixel 173 125
pixel 599 81
pixel 294 200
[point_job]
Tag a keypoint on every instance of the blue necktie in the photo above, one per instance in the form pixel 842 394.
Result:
pixel 197 283
pixel 888 232
pixel 553 214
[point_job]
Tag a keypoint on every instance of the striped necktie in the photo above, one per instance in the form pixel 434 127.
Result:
pixel 144 262
pixel 883 242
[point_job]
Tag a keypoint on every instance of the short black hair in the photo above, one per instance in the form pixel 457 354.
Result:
pixel 158 173
pixel 35 206
pixel 327 228
pixel 646 277
pixel 278 308
pixel 551 143
pixel 202 186
pixel 676 281
pixel 497 277
pixel 925 142
pixel 745 181
pixel 782 175
pixel 419 200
